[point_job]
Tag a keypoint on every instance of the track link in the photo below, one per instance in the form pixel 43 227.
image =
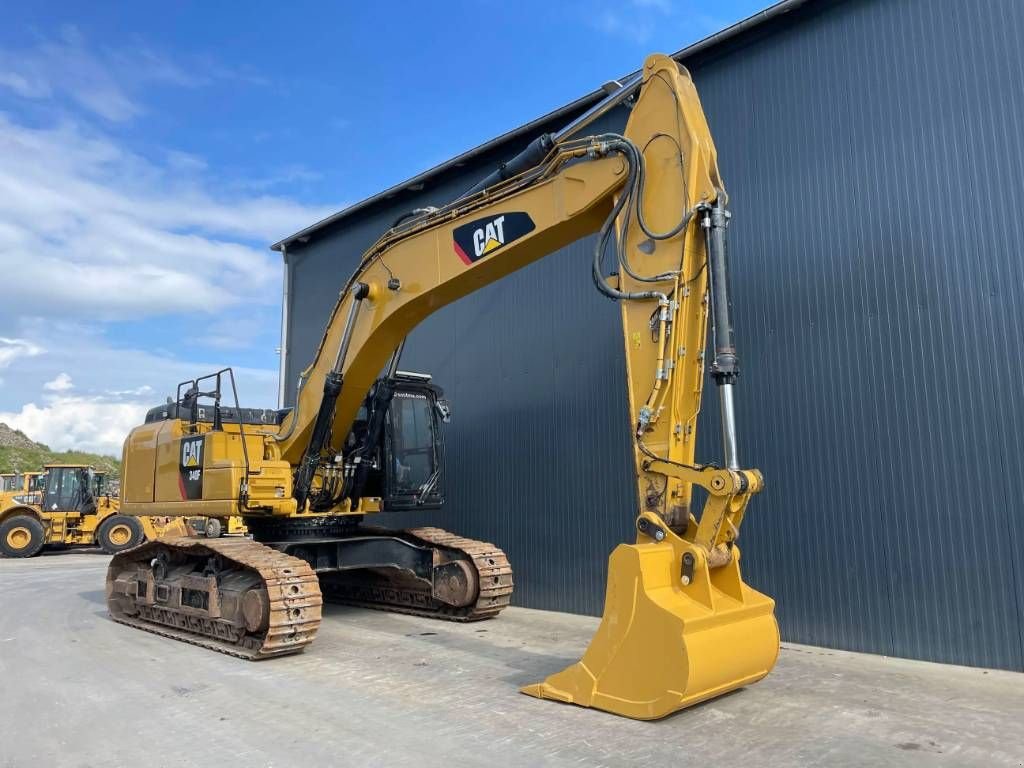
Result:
pixel 387 591
pixel 285 600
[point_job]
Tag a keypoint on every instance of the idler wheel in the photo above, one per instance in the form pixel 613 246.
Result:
pixel 455 583
pixel 256 609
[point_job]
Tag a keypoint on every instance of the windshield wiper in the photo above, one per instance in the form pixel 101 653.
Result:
pixel 428 486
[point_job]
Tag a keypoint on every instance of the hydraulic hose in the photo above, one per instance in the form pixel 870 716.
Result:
pixel 634 163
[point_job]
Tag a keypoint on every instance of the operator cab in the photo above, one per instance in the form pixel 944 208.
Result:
pixel 69 489
pixel 100 485
pixel 406 451
pixel 29 488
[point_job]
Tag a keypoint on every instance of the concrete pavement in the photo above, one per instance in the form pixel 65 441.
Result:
pixel 76 689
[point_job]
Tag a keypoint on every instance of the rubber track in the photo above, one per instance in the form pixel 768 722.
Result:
pixel 493 570
pixel 291 584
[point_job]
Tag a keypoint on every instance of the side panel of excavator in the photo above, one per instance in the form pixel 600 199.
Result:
pixel 185 469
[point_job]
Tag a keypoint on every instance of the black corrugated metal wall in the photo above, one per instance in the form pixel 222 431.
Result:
pixel 873 155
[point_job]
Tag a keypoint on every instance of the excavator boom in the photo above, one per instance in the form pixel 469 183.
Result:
pixel 680 625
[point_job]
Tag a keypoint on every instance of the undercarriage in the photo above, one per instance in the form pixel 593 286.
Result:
pixel 259 600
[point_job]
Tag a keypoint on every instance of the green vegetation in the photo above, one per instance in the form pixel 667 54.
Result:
pixel 19 453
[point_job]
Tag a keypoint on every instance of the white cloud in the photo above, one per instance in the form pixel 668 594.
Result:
pixel 24 86
pixel 60 384
pixel 12 349
pixel 88 227
pixel 145 389
pixel 103 81
pixel 82 423
pixel 96 237
pixel 65 66
pixel 113 388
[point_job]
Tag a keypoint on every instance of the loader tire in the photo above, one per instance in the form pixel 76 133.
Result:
pixel 118 533
pixel 21 536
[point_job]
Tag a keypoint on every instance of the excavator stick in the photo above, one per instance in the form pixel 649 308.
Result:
pixel 680 626
pixel 662 646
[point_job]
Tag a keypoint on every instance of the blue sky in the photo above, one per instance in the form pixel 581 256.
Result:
pixel 149 154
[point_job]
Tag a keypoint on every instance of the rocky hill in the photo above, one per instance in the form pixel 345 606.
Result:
pixel 19 453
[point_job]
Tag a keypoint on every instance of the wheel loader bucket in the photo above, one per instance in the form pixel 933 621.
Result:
pixel 674 633
pixel 166 528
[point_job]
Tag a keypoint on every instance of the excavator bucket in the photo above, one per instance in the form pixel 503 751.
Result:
pixel 675 632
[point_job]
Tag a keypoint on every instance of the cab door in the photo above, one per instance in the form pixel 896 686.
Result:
pixel 414 460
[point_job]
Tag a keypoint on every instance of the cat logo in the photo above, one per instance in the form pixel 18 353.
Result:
pixel 190 476
pixel 192 453
pixel 489 237
pixel 483 237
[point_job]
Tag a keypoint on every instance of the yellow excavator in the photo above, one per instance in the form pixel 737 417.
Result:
pixel 680 625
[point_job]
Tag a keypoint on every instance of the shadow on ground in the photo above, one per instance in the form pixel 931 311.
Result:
pixel 97 596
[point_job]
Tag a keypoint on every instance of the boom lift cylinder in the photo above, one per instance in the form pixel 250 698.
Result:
pixel 530 157
pixel 325 415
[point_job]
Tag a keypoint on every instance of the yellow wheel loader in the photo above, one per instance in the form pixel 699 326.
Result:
pixel 10 481
pixel 680 624
pixel 18 482
pixel 68 504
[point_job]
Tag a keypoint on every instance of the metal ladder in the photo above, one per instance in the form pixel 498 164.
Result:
pixel 56 530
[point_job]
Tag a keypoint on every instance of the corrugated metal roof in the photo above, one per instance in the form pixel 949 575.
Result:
pixel 416 182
